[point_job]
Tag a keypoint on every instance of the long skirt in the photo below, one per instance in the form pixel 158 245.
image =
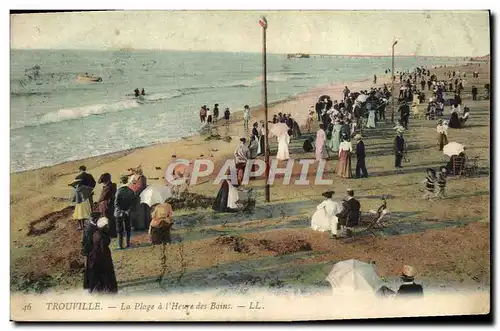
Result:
pixel 442 140
pixel 82 210
pixel 240 171
pixel 160 235
pixel 344 165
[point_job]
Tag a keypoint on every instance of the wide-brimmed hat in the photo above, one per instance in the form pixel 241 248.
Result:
pixel 408 271
pixel 357 136
pixel 136 170
pixel 328 194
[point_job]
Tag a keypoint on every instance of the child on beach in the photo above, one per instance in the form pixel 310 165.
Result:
pixel 429 182
pixel 203 114
pixel 441 181
pixel 246 116
pixel 227 113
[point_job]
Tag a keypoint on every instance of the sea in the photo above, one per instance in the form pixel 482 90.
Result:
pixel 55 118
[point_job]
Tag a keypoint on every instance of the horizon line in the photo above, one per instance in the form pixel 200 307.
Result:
pixel 126 49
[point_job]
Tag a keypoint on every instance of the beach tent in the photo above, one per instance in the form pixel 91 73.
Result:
pixel 354 275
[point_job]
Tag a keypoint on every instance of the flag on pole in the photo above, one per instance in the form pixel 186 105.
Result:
pixel 263 22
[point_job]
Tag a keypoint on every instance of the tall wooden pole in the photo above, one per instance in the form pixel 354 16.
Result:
pixel 264 99
pixel 393 75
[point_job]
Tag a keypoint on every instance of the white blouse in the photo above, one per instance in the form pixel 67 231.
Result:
pixel 345 146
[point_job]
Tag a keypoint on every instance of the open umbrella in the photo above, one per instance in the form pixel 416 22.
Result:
pixel 323 97
pixel 153 195
pixel 354 275
pixel 362 98
pixel 453 148
pixel 279 129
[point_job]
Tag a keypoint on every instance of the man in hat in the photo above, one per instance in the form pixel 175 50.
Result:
pixel 350 213
pixel 87 180
pixel 409 287
pixel 246 116
pixel 360 157
pixel 241 156
pixel 399 147
pixel 124 200
pixel 404 111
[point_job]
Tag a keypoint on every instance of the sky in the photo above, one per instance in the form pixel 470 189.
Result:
pixel 423 33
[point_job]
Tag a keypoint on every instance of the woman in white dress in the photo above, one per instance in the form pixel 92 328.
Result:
pixel 283 141
pixel 325 219
pixel 371 117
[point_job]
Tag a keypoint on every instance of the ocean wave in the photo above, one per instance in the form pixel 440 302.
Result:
pixel 66 114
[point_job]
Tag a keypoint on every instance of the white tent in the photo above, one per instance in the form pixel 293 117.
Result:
pixel 354 275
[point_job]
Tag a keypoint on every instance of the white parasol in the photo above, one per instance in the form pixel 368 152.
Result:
pixel 453 148
pixel 153 195
pixel 354 275
pixel 279 129
pixel 362 98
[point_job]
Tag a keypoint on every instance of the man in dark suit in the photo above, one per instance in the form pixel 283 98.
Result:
pixel 360 157
pixel 349 217
pixel 399 147
pixel 409 288
pixel 404 112
pixel 319 109
pixel 87 180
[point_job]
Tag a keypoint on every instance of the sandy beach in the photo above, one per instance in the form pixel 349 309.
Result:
pixel 448 241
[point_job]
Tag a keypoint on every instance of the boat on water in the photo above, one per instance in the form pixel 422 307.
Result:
pixel 88 78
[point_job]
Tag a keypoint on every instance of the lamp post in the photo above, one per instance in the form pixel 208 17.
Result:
pixel 393 78
pixel 263 24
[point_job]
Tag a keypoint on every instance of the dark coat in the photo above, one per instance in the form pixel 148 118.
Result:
pixel 399 144
pixel 87 179
pixel 81 193
pixel 404 111
pixel 411 289
pixel 220 203
pixel 101 272
pixel 106 206
pixel 353 208
pixel 87 242
pixel 360 150
pixel 345 129
pixel 124 200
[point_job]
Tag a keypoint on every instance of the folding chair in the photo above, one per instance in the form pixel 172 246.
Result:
pixel 471 168
pixel 379 219
pixel 458 166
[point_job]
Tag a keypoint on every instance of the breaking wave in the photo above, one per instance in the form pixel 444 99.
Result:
pixel 67 114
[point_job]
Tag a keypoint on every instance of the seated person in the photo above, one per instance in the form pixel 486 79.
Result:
pixel 455 163
pixel 308 145
pixel 465 116
pixel 350 212
pixel 409 288
pixel 161 223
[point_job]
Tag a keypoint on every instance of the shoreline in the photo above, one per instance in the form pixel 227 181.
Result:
pixel 236 117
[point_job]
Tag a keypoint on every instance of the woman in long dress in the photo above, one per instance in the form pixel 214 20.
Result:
pixel 321 152
pixel 335 141
pixel 344 164
pixel 101 272
pixel 325 219
pixel 283 141
pixel 371 117
pixel 256 135
pixel 81 199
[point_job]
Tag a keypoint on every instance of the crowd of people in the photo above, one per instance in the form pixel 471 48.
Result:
pixel 342 124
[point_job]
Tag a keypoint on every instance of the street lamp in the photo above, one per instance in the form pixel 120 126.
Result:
pixel 393 78
pixel 263 24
